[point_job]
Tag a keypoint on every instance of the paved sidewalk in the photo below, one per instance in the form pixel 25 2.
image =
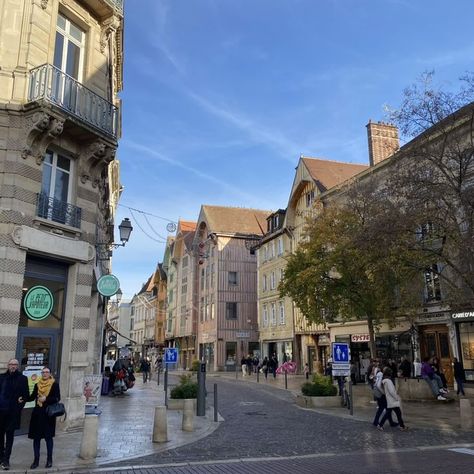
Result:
pixel 125 432
pixel 427 414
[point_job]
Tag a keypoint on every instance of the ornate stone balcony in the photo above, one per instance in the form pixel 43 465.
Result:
pixel 50 84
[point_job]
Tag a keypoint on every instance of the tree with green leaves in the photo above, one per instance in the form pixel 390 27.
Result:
pixel 347 267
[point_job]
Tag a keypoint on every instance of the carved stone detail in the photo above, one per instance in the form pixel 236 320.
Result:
pixel 44 130
pixel 16 235
pixel 95 157
pixel 108 26
pixel 44 4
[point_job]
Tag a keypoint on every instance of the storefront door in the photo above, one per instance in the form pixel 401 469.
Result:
pixel 435 342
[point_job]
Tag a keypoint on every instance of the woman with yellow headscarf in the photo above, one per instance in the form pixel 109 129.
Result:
pixel 46 392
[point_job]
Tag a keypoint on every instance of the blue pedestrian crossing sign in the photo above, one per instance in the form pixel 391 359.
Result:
pixel 340 353
pixel 171 355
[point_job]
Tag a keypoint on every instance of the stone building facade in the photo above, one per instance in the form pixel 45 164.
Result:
pixel 61 71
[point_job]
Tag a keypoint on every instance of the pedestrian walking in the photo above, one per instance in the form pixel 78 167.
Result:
pixel 306 371
pixel 243 365
pixel 274 365
pixel 42 426
pixel 381 399
pixel 393 400
pixel 264 368
pixel 145 369
pixel 14 393
pixel 459 376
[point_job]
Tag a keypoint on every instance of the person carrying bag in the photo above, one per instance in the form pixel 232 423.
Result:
pixel 46 394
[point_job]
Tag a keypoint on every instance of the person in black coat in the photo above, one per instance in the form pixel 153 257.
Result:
pixel 14 393
pixel 459 376
pixel 45 393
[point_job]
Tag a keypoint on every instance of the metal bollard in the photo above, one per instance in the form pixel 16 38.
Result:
pixel 286 380
pixel 89 437
pixel 351 399
pixel 201 395
pixel 215 403
pixel 160 425
pixel 465 412
pixel 188 415
pixel 258 375
pixel 165 384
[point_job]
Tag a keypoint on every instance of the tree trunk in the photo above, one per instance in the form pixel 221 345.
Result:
pixel 370 324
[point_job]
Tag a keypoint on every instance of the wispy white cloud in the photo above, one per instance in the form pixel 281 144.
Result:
pixel 258 133
pixel 150 152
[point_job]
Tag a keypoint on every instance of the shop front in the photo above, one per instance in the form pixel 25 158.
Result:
pixel 390 343
pixel 434 340
pixel 464 327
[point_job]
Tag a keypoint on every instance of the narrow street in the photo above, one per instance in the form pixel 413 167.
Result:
pixel 264 431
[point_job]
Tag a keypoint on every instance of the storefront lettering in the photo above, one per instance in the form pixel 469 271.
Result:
pixel 38 303
pixel 463 315
pixel 360 338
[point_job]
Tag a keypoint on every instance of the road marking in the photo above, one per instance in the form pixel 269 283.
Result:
pixel 463 451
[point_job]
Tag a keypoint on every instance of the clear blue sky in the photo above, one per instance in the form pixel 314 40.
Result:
pixel 222 96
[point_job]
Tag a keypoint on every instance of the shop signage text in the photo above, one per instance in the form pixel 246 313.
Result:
pixel 360 338
pixel 242 334
pixel 108 285
pixel 463 315
pixel 38 303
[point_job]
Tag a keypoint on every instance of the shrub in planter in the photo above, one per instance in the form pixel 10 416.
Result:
pixel 195 365
pixel 320 387
pixel 185 388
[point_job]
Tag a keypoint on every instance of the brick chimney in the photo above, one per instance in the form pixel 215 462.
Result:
pixel 383 141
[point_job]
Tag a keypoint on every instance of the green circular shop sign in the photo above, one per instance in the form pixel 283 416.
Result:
pixel 38 303
pixel 108 285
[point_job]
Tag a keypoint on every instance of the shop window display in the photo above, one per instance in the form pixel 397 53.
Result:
pixel 466 333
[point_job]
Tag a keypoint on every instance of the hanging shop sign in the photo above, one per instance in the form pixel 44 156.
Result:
pixel 38 303
pixel 108 285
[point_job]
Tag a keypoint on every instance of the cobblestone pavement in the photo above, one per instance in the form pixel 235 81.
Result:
pixel 264 422
pixel 390 462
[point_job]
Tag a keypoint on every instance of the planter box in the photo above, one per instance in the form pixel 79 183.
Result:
pixel 178 404
pixel 318 402
pixel 414 389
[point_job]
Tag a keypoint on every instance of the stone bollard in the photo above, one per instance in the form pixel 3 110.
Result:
pixel 89 437
pixel 188 415
pixel 466 413
pixel 160 425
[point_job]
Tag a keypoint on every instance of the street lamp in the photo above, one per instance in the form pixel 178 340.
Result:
pixel 105 248
pixel 118 296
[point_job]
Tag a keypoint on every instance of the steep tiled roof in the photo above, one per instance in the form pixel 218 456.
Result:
pixel 187 226
pixel 331 173
pixel 233 220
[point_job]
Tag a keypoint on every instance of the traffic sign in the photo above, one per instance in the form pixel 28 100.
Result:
pixel 340 353
pixel 171 355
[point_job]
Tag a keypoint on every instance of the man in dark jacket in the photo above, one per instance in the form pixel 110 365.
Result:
pixel 14 392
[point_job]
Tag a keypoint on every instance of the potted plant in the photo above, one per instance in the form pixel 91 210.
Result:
pixel 319 393
pixel 186 388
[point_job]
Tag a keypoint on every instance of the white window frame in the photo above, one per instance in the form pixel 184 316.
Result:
pixel 282 313
pixel 69 38
pixel 273 314
pixel 264 315
pixel 54 170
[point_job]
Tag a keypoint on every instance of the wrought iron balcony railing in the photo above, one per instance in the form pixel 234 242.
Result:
pixel 49 83
pixel 58 211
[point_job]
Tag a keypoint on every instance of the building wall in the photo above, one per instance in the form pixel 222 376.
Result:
pixel 27 130
pixel 271 266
